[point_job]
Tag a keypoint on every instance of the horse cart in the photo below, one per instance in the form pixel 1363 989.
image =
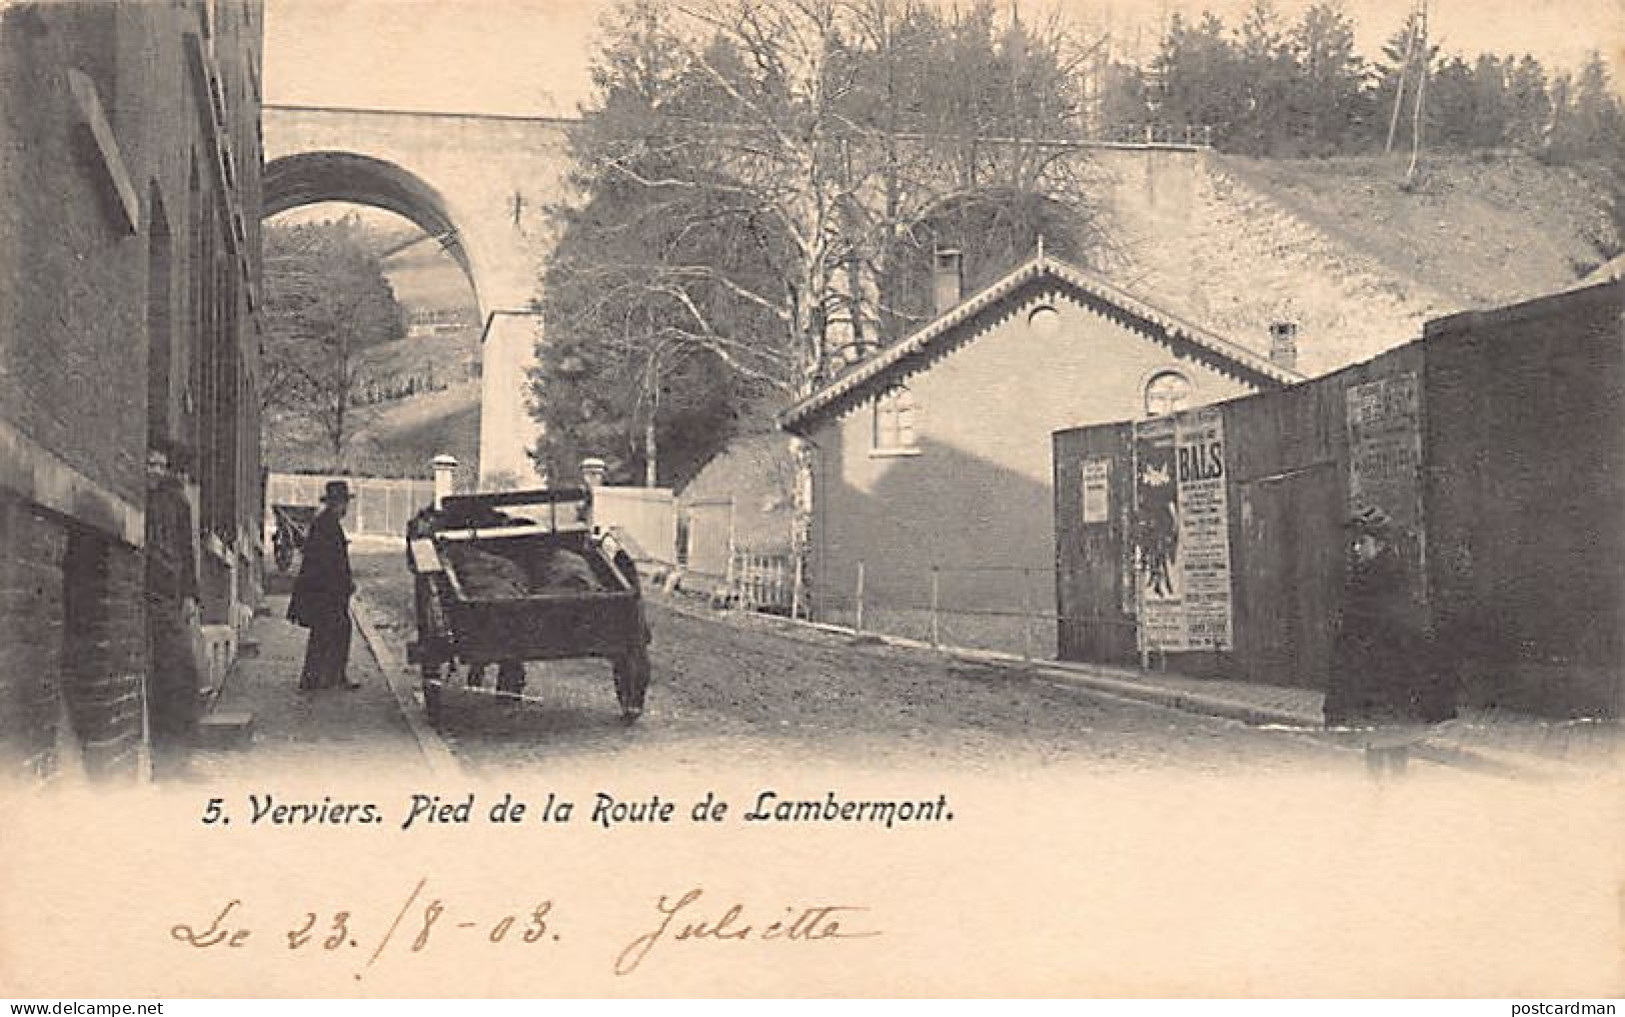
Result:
pixel 520 576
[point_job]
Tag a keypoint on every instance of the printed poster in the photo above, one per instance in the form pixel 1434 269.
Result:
pixel 1097 475
pixel 1385 447
pixel 1156 536
pixel 1204 536
pixel 1181 533
pixel 1385 460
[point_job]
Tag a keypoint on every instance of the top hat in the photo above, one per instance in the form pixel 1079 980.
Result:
pixel 336 490
pixel 1373 520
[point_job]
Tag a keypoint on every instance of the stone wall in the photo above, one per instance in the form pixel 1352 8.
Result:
pixel 129 166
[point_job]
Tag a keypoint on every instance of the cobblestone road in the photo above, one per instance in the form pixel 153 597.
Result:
pixel 747 691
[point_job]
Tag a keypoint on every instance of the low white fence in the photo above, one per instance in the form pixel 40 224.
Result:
pixel 378 505
pixel 647 516
pixel 734 573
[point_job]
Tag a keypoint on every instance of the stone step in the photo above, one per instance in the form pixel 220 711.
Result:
pixel 226 729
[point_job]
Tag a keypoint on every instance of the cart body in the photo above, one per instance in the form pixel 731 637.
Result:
pixel 523 576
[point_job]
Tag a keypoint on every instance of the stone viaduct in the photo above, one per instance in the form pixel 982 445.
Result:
pixel 1179 230
pixel 479 184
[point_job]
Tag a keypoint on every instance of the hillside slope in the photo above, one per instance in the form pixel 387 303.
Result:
pixel 1338 247
pixel 1485 230
pixel 399 437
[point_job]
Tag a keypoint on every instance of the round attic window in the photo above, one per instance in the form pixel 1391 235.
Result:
pixel 1167 392
pixel 1044 319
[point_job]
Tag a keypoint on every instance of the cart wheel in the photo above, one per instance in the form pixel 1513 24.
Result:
pixel 432 678
pixel 631 682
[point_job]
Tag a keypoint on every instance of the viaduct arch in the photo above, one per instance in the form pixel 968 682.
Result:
pixel 479 184
pixel 313 177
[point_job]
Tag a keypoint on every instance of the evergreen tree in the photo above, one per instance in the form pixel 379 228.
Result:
pixel 1489 128
pixel 1593 125
pixel 1199 78
pixel 1528 106
pixel 1125 101
pixel 1452 104
pixel 1268 72
pixel 1327 112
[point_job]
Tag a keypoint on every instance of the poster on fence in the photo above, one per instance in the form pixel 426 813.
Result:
pixel 1097 475
pixel 1385 461
pixel 1385 448
pixel 1204 532
pixel 1156 536
pixel 1181 533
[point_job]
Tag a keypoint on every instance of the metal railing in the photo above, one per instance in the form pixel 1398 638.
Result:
pixel 1155 135
pixel 1003 608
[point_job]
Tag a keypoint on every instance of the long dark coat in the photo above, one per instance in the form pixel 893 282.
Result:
pixel 1382 670
pixel 323 589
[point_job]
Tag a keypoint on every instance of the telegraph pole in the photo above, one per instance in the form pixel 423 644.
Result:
pixel 1421 94
pixel 1415 23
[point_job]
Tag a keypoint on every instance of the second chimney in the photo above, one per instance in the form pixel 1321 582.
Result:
pixel 1284 344
pixel 947 280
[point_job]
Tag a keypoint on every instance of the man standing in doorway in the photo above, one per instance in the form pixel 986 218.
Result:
pixel 321 595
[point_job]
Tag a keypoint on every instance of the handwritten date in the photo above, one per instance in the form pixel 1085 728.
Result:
pixel 338 930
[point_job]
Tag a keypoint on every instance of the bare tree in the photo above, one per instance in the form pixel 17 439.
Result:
pixel 327 302
pixel 761 172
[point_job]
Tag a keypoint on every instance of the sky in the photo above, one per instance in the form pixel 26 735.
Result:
pixel 530 57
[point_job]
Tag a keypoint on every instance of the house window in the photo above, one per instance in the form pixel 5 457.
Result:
pixel 894 421
pixel 1167 392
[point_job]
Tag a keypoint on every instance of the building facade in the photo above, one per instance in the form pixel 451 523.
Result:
pixel 933 498
pixel 130 490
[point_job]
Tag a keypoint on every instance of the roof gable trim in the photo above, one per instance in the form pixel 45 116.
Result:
pixel 915 353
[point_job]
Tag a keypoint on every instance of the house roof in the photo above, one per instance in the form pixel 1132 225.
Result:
pixel 947 331
pixel 750 465
pixel 1614 268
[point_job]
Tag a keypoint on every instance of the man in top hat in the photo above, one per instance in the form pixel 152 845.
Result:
pixel 1382 676
pixel 321 595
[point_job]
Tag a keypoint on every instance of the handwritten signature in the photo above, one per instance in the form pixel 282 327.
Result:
pixel 684 920
pixel 688 918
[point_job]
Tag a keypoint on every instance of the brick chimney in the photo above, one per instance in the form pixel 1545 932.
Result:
pixel 947 279
pixel 1284 344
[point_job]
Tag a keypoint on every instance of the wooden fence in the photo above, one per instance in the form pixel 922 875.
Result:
pixel 1497 446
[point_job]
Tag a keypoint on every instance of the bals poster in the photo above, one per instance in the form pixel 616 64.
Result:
pixel 1181 533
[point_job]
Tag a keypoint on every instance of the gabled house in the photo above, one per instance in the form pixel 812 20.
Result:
pixel 933 499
